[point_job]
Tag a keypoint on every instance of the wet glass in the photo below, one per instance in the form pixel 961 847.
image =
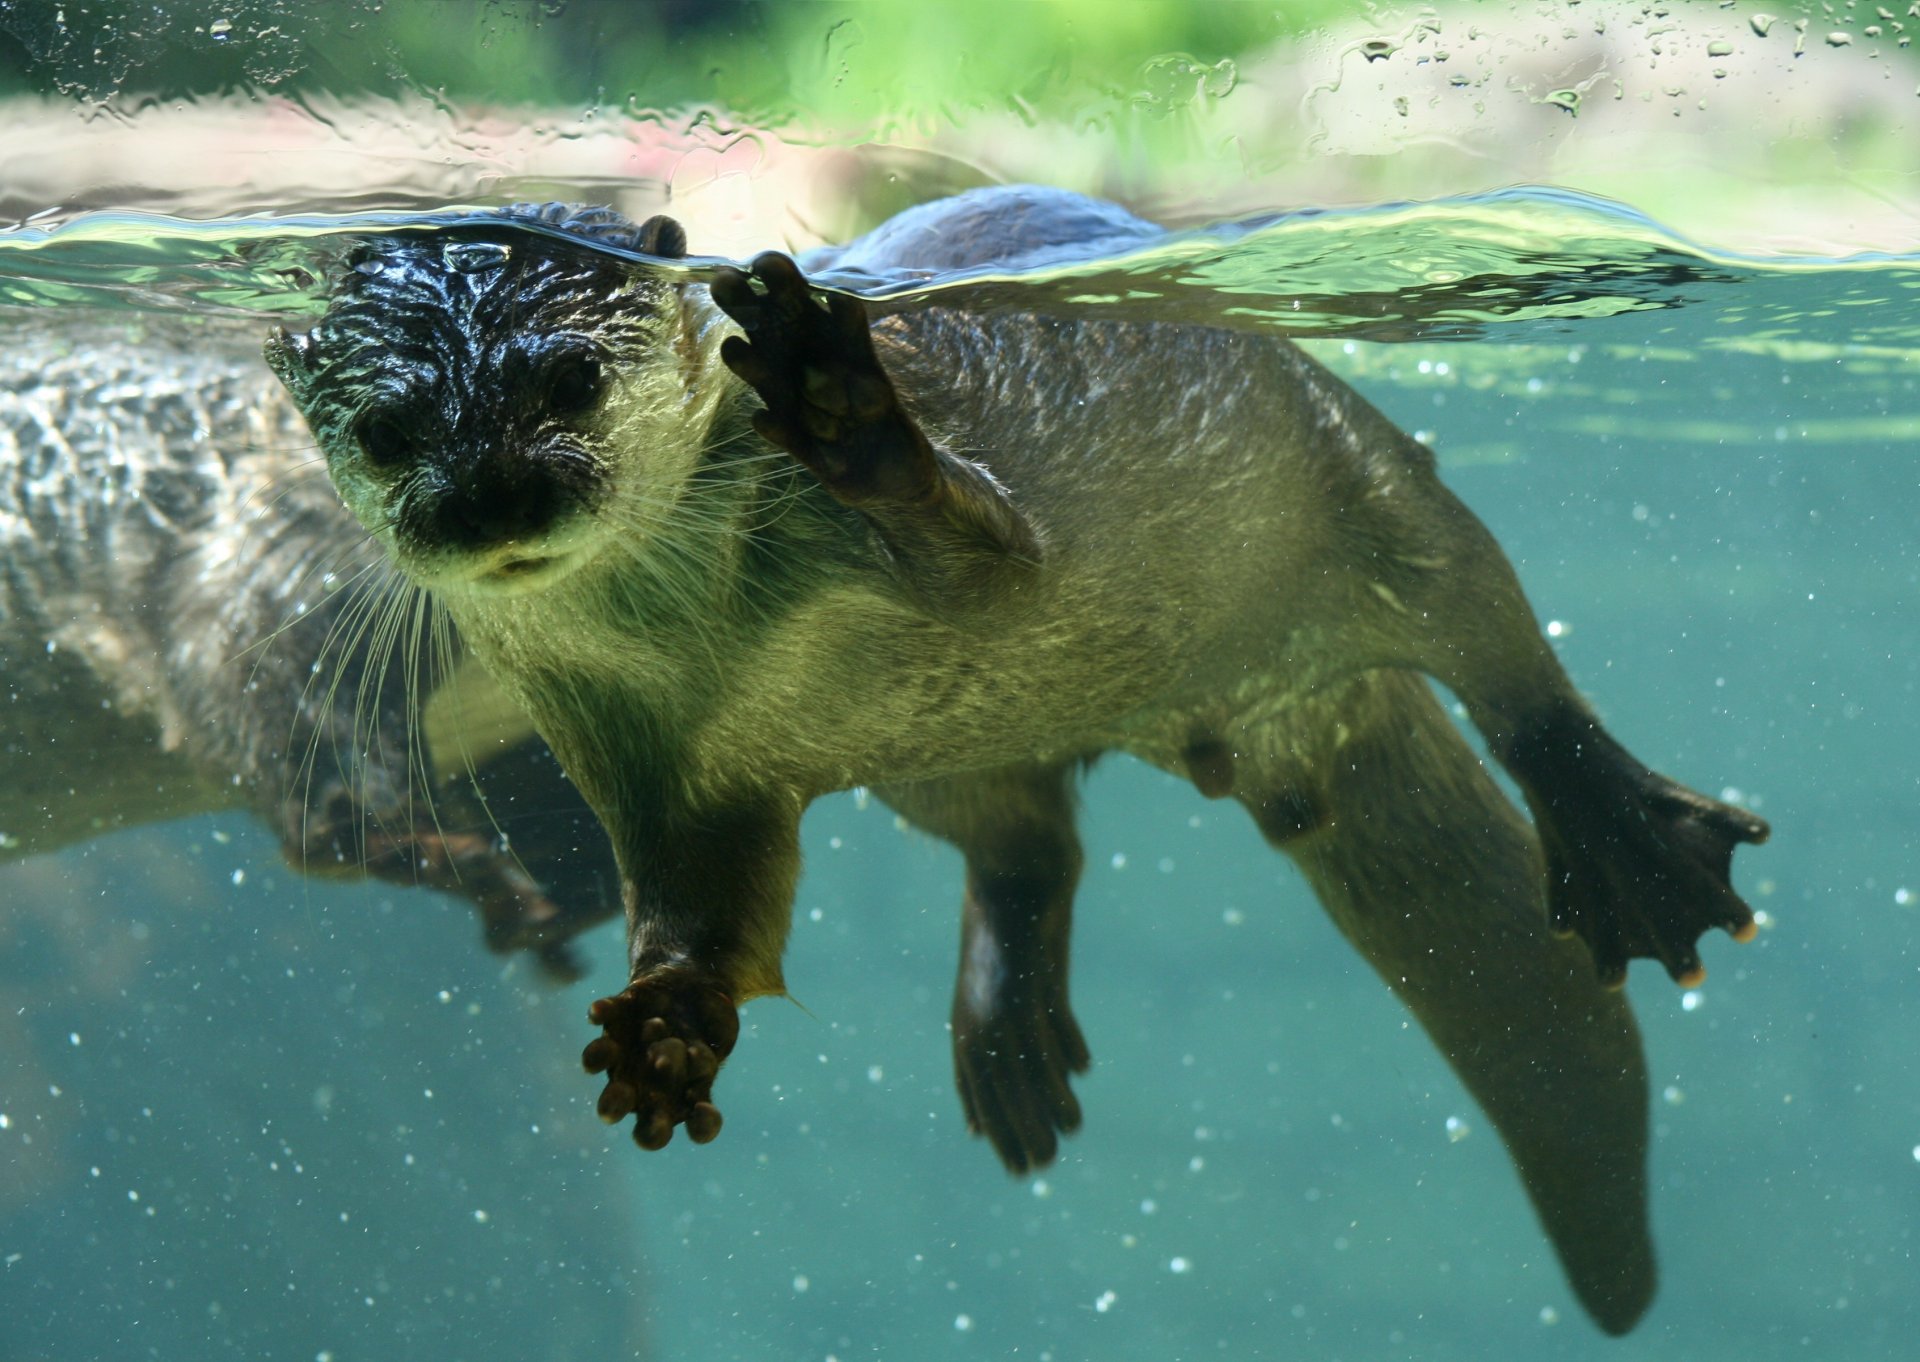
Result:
pixel 1646 278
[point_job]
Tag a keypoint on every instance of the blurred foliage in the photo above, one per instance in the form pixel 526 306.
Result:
pixel 837 63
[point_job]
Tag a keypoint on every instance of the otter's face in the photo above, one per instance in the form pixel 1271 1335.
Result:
pixel 490 402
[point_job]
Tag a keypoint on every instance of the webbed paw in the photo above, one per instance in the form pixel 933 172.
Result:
pixel 404 843
pixel 1013 1064
pixel 1637 865
pixel 666 1037
pixel 810 357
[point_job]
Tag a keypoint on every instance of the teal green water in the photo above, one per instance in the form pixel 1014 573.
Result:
pixel 262 1117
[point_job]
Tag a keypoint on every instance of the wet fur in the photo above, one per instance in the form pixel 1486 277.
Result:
pixel 959 556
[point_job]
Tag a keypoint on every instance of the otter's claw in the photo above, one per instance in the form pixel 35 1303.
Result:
pixel 830 404
pixel 666 1037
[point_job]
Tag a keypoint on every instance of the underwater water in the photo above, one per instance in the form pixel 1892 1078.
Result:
pixel 245 1114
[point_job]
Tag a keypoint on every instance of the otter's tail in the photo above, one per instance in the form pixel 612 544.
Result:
pixel 1434 876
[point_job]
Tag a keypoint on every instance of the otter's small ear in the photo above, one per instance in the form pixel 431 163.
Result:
pixel 660 235
pixel 289 356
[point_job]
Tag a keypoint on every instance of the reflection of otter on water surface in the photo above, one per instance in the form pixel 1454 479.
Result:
pixel 178 635
pixel 1183 543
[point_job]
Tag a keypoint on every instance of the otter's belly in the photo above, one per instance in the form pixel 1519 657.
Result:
pixel 854 690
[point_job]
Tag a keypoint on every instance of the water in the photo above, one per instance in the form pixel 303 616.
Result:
pixel 251 1115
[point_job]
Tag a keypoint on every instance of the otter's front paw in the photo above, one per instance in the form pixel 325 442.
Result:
pixel 403 843
pixel 666 1037
pixel 1012 1060
pixel 1637 865
pixel 829 403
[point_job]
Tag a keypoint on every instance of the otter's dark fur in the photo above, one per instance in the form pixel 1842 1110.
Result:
pixel 179 633
pixel 956 558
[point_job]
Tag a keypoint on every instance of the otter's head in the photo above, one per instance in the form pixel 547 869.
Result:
pixel 476 390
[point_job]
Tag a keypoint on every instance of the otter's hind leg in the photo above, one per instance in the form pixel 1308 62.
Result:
pixel 1432 874
pixel 1015 1042
pixel 1637 864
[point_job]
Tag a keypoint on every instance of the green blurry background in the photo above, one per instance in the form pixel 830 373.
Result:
pixel 1789 125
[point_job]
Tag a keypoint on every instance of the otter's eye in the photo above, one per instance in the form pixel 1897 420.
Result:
pixel 575 386
pixel 385 443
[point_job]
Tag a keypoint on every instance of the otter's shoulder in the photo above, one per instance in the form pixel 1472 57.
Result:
pixel 1000 227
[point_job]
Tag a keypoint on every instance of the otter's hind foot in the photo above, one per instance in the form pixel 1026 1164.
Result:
pixel 829 403
pixel 1013 1063
pixel 666 1037
pixel 1637 865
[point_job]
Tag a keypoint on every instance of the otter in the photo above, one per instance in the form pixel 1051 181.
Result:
pixel 734 544
pixel 188 623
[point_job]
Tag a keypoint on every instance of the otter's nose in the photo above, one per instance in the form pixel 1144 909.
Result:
pixel 495 505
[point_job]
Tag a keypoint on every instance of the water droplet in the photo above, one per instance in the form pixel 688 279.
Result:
pixel 1378 49
pixel 1672 1095
pixel 1839 38
pixel 1721 48
pixel 1761 23
pixel 1564 99
pixel 220 30
pixel 1179 1265
pixel 1457 1130
pixel 1218 83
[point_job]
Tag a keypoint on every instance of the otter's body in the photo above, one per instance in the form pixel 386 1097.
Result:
pixel 179 635
pixel 959 556
pixel 1140 629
